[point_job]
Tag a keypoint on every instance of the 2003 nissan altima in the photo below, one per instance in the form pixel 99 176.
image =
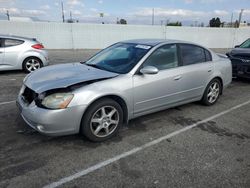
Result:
pixel 124 81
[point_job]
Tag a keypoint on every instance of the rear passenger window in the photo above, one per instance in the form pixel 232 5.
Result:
pixel 12 42
pixel 192 54
pixel 208 55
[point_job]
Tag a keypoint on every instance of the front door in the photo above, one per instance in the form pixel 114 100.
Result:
pixel 152 92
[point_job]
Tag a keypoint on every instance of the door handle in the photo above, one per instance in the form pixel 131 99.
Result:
pixel 1 52
pixel 177 78
pixel 209 70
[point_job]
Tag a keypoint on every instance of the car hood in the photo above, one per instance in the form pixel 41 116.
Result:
pixel 240 51
pixel 62 76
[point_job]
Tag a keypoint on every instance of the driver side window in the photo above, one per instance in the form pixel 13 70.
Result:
pixel 165 57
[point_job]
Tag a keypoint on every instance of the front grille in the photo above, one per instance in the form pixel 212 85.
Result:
pixel 247 69
pixel 29 95
pixel 234 69
pixel 245 57
pixel 240 59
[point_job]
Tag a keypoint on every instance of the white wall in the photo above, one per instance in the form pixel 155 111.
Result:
pixel 97 36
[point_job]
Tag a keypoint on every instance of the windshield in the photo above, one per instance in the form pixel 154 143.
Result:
pixel 119 58
pixel 245 44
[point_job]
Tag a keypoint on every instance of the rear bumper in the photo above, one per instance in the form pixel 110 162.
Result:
pixel 51 122
pixel 45 58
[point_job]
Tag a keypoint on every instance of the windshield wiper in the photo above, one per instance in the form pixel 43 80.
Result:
pixel 98 67
pixel 94 65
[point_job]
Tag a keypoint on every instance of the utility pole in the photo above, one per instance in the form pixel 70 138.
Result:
pixel 240 16
pixel 167 21
pixel 195 23
pixel 62 12
pixel 8 15
pixel 153 16
pixel 70 14
pixel 101 16
pixel 232 15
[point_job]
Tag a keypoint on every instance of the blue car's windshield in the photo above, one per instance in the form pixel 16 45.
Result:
pixel 119 58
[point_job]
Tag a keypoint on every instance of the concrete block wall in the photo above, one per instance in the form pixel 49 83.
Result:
pixel 97 36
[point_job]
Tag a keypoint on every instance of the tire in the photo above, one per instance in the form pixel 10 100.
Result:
pixel 212 92
pixel 31 64
pixel 102 120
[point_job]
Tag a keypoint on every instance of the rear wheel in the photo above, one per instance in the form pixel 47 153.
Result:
pixel 31 64
pixel 102 120
pixel 212 92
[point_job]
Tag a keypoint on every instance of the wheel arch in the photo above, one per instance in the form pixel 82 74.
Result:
pixel 221 81
pixel 116 98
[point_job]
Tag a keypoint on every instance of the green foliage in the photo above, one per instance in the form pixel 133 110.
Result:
pixel 174 24
pixel 122 21
pixel 215 22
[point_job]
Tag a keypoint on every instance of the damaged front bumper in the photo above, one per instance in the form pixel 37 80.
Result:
pixel 51 122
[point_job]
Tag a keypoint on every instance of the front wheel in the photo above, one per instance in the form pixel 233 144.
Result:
pixel 31 64
pixel 212 92
pixel 102 120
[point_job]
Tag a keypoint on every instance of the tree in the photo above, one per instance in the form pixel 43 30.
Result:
pixel 215 22
pixel 123 21
pixel 174 24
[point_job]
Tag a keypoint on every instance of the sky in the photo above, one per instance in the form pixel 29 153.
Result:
pixel 134 11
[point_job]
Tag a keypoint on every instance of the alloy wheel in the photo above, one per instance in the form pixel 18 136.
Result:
pixel 104 121
pixel 213 92
pixel 32 65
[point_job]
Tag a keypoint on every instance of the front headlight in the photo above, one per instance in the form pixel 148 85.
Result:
pixel 57 100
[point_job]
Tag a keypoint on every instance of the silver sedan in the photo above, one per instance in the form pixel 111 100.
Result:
pixel 20 53
pixel 124 81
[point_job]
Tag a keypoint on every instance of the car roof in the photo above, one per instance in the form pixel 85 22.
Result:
pixel 154 42
pixel 17 37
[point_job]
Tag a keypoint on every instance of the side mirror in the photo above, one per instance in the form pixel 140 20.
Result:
pixel 149 70
pixel 237 46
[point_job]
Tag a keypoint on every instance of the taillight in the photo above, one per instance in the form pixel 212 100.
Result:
pixel 37 46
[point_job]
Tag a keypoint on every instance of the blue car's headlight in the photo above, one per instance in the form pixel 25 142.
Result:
pixel 57 100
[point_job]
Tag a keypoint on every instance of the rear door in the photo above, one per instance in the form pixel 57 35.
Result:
pixel 12 50
pixel 1 51
pixel 197 69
